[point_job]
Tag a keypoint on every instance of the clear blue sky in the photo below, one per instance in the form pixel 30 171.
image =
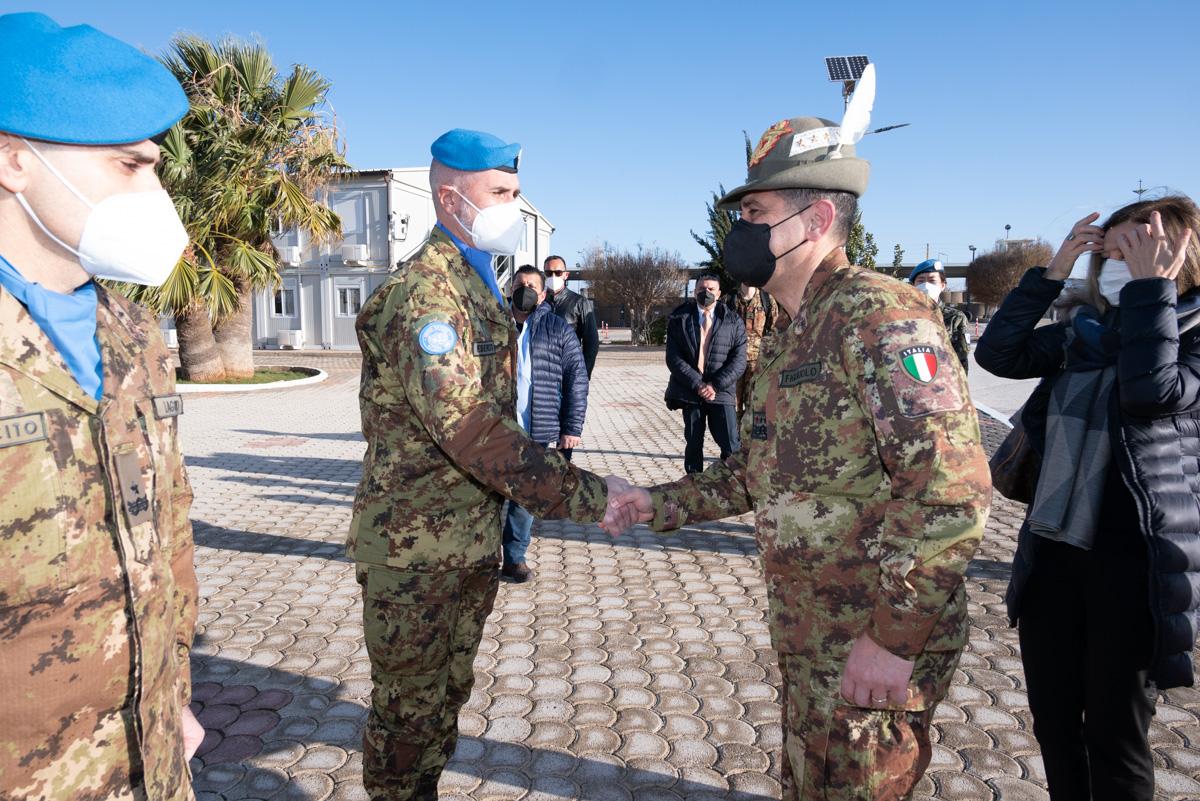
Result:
pixel 630 113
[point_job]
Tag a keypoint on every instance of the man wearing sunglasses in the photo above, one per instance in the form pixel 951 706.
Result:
pixel 572 307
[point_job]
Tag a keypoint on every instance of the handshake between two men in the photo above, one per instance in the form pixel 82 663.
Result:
pixel 627 505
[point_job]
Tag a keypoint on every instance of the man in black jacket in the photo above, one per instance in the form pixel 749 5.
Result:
pixel 706 353
pixel 552 390
pixel 572 307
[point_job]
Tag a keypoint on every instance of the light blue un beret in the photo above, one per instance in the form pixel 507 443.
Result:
pixel 472 151
pixel 80 86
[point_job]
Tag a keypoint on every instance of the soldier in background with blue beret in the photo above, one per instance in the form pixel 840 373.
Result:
pixel 930 277
pixel 444 450
pixel 97 591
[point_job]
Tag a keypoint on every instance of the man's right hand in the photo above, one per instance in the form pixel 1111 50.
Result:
pixel 707 392
pixel 626 506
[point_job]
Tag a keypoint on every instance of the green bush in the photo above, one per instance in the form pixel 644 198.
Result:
pixel 656 334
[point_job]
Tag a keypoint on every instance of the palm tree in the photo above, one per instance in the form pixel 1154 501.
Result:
pixel 246 159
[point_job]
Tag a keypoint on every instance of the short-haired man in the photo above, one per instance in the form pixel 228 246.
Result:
pixel 757 310
pixel 864 468
pixel 97 591
pixel 706 354
pixel 443 452
pixel 930 277
pixel 572 307
pixel 552 390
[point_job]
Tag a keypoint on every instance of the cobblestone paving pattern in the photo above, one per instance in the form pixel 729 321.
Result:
pixel 637 668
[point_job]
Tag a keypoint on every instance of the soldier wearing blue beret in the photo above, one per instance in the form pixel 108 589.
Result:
pixel 444 450
pixel 97 591
pixel 930 277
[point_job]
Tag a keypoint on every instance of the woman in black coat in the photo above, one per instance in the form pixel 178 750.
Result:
pixel 1106 579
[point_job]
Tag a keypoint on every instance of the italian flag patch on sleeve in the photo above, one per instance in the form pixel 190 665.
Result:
pixel 920 363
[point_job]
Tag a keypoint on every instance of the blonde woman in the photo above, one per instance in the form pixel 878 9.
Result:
pixel 1106 579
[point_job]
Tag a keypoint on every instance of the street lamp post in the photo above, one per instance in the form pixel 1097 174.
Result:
pixel 1007 228
pixel 968 292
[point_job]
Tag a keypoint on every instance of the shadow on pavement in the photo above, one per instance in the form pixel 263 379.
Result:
pixel 350 436
pixel 307 713
pixel 228 539
pixel 312 467
pixel 989 569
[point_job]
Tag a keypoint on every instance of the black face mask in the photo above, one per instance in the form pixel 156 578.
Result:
pixel 525 299
pixel 747 252
pixel 706 298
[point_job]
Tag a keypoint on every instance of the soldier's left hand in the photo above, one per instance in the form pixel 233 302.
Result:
pixel 1150 253
pixel 193 733
pixel 874 676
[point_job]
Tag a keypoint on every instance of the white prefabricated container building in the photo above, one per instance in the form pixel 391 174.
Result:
pixel 386 215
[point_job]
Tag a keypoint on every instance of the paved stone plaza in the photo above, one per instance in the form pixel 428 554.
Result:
pixel 636 668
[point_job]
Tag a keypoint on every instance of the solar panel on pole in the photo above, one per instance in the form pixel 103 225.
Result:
pixel 846 68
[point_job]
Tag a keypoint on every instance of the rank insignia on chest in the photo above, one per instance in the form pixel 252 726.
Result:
pixel 920 363
pixel 484 347
pixel 798 375
pixel 758 428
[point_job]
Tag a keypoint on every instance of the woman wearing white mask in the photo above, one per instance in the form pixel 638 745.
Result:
pixel 1103 586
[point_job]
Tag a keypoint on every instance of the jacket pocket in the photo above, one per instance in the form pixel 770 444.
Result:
pixel 33 553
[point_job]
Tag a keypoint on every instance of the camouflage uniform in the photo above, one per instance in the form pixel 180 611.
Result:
pixel 97 591
pixel 443 452
pixel 758 313
pixel 870 490
pixel 956 326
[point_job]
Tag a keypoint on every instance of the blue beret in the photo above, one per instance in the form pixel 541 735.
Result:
pixel 472 151
pixel 927 266
pixel 79 86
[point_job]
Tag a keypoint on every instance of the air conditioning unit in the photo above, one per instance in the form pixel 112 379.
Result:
pixel 290 255
pixel 172 337
pixel 289 340
pixel 355 253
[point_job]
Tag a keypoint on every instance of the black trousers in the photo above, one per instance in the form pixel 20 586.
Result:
pixel 722 423
pixel 1086 642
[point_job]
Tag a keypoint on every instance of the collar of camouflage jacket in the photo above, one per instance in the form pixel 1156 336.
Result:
pixel 25 347
pixel 441 247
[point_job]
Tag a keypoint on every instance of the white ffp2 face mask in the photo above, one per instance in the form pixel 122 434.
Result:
pixel 496 229
pixel 130 236
pixel 555 283
pixel 1113 276
pixel 934 291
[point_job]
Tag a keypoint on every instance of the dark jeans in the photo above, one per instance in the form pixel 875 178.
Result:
pixel 518 528
pixel 722 423
pixel 1086 642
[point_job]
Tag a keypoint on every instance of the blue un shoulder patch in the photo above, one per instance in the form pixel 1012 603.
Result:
pixel 437 338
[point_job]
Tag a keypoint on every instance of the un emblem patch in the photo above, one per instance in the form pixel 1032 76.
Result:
pixel 437 338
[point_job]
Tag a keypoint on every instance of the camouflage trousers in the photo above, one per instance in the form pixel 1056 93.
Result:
pixel 836 752
pixel 743 387
pixel 422 632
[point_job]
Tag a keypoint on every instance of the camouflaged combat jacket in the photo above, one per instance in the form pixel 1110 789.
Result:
pixel 443 446
pixel 861 459
pixel 97 590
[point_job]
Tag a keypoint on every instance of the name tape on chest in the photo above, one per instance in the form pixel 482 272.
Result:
pixel 799 375
pixel 21 429
pixel 168 406
pixel 484 347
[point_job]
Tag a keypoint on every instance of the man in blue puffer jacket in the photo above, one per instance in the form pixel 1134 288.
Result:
pixel 552 389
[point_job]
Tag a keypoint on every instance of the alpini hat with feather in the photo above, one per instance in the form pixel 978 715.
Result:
pixel 812 152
